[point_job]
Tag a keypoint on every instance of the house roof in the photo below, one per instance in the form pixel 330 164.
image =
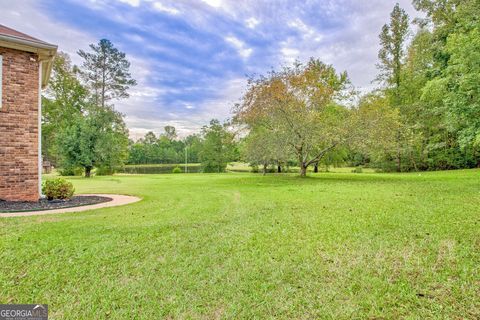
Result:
pixel 10 38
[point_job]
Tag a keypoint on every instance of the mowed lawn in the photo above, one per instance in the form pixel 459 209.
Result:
pixel 243 246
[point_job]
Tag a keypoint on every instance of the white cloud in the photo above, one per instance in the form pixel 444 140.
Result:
pixel 26 17
pixel 221 106
pixel 307 32
pixel 289 55
pixel 238 44
pixel 133 3
pixel 164 8
pixel 214 3
pixel 252 22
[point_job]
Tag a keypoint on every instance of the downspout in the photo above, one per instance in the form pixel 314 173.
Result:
pixel 40 129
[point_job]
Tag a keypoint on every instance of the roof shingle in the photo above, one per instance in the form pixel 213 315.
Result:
pixel 14 33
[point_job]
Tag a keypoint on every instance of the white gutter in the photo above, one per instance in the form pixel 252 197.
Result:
pixel 29 43
pixel 45 51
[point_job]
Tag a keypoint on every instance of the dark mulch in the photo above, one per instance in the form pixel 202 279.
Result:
pixel 44 204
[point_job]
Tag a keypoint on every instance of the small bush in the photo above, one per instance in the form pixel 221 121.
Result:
pixel 105 171
pixel 72 171
pixel 358 169
pixel 177 170
pixel 57 189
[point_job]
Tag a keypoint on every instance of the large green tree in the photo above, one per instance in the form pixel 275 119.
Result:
pixel 99 138
pixel 392 50
pixel 64 101
pixel 81 128
pixel 299 106
pixel 218 147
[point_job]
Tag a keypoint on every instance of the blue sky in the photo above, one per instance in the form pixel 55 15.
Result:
pixel 191 57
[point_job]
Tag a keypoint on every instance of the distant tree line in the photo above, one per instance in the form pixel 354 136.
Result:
pixel 165 148
pixel 213 147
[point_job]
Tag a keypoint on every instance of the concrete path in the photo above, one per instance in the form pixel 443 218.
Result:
pixel 117 200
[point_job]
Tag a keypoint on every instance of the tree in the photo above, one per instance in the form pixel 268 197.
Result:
pixel 391 56
pixel 261 147
pixel 377 125
pixel 458 89
pixel 299 105
pixel 392 42
pixel 64 100
pixel 97 139
pixel 106 72
pixel 194 144
pixel 170 133
pixel 218 147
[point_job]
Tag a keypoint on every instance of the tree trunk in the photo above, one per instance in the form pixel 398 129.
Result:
pixel 315 169
pixel 87 172
pixel 264 169
pixel 279 168
pixel 303 169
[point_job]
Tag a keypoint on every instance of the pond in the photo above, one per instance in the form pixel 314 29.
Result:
pixel 160 168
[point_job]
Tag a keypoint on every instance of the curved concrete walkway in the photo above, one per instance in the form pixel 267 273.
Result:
pixel 117 200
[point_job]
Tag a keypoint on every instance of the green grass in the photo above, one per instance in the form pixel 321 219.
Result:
pixel 243 246
pixel 181 165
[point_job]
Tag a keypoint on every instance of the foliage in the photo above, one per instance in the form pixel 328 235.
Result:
pixel 437 92
pixel 106 73
pixel 80 128
pixel 99 138
pixel 64 101
pixel 58 189
pixel 392 43
pixel 177 170
pixel 298 107
pixel 218 147
pixel 105 170
pixel 262 148
pixel 358 169
pixel 166 148
pixel 71 171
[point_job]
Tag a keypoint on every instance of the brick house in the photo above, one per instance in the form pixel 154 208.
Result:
pixel 25 65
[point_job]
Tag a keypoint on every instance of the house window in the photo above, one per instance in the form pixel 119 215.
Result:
pixel 1 73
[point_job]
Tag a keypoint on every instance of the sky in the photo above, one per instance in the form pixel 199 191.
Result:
pixel 191 58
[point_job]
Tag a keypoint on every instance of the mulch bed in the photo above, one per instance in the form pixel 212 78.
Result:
pixel 44 204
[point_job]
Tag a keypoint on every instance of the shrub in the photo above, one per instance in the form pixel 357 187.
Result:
pixel 358 169
pixel 71 171
pixel 57 189
pixel 177 170
pixel 105 171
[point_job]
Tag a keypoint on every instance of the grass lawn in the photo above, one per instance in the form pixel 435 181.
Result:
pixel 243 246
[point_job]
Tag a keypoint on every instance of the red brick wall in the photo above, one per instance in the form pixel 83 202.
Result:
pixel 19 126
